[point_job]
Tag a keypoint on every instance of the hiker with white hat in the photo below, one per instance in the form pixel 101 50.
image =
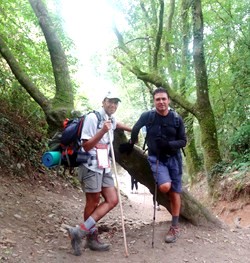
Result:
pixel 95 174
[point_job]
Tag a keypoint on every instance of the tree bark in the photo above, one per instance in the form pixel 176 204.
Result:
pixel 204 108
pixel 57 55
pixel 137 166
pixel 192 161
pixel 58 108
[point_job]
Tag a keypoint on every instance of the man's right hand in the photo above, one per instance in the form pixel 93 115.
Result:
pixel 126 147
pixel 106 126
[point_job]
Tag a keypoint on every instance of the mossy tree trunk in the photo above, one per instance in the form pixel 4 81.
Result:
pixel 57 108
pixel 193 162
pixel 204 110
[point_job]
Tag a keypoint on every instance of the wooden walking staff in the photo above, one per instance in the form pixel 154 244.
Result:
pixel 119 195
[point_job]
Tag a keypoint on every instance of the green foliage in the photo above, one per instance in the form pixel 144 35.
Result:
pixel 226 40
pixel 228 60
pixel 20 29
pixel 20 103
pixel 236 169
pixel 218 170
pixel 240 147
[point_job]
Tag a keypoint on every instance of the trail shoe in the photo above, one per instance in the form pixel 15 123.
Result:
pixel 76 234
pixel 173 234
pixel 93 243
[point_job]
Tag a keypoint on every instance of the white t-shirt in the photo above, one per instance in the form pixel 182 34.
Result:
pixel 89 130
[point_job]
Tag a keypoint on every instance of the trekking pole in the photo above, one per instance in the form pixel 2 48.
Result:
pixel 119 195
pixel 155 196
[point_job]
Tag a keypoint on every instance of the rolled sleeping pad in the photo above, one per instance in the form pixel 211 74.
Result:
pixel 51 159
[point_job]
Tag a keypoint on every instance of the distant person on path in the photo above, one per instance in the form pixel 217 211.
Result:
pixel 158 208
pixel 164 140
pixel 95 174
pixel 134 184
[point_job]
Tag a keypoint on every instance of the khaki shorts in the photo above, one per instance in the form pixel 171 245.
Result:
pixel 93 182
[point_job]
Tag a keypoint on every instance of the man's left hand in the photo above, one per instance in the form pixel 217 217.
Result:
pixel 161 143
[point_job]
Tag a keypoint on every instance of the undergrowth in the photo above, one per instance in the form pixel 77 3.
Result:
pixel 230 180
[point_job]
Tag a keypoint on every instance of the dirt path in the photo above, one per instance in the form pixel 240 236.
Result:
pixel 142 201
pixel 32 214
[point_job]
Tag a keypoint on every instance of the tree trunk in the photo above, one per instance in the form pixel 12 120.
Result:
pixel 58 108
pixel 64 91
pixel 204 114
pixel 192 160
pixel 137 166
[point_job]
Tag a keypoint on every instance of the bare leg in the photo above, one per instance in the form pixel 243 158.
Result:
pixel 175 202
pixel 110 201
pixel 95 210
pixel 92 201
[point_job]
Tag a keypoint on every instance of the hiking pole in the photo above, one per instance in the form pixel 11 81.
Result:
pixel 119 195
pixel 155 196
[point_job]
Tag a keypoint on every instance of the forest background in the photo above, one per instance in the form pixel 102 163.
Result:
pixel 197 50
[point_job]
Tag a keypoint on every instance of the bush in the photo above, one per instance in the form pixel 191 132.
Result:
pixel 240 144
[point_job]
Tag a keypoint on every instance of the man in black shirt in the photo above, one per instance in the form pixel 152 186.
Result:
pixel 165 137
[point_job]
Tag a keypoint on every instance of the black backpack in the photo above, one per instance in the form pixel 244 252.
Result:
pixel 68 141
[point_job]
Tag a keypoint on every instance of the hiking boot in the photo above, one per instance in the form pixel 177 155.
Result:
pixel 172 235
pixel 93 243
pixel 76 234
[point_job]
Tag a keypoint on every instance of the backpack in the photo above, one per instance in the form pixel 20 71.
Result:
pixel 68 141
pixel 151 119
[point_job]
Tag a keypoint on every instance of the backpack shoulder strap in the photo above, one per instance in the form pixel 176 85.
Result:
pixel 149 123
pixel 176 118
pixel 177 124
pixel 80 125
pixel 99 118
pixel 82 119
pixel 151 118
